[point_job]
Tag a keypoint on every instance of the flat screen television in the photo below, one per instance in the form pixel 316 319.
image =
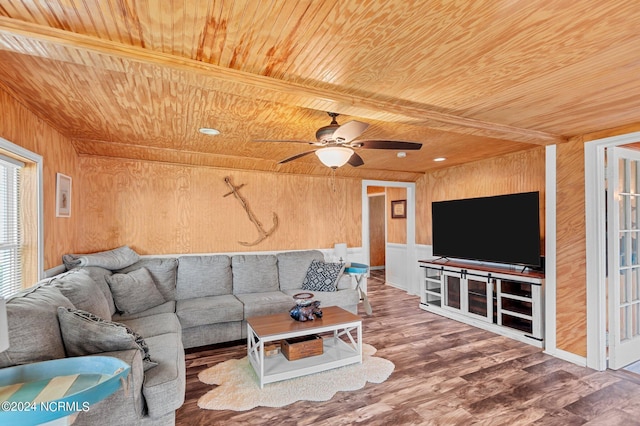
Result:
pixel 500 229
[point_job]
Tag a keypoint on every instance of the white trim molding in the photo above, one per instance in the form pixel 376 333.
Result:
pixel 37 159
pixel 549 289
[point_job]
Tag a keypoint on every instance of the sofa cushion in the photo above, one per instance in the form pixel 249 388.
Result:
pixel 154 325
pixel 254 273
pixel 200 276
pixel 293 266
pixel 78 286
pixel 209 310
pixel 117 258
pixel 273 302
pixel 322 276
pixel 163 271
pixel 166 307
pixel 134 292
pixel 164 385
pixel 34 333
pixel 86 334
pixel 345 282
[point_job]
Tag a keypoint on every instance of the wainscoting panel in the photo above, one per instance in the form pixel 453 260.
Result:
pixel 396 271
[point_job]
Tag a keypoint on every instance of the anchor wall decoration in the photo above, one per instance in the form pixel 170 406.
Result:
pixel 264 234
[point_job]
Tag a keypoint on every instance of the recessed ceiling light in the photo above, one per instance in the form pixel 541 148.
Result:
pixel 401 154
pixel 209 131
pixel 439 159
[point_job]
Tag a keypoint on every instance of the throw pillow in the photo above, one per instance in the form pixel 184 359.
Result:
pixel 86 334
pixel 134 292
pixel 322 276
pixel 78 286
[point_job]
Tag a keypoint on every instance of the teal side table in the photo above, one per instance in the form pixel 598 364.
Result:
pixel 358 271
pixel 47 391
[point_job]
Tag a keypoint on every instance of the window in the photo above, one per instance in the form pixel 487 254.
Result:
pixel 10 241
pixel 21 218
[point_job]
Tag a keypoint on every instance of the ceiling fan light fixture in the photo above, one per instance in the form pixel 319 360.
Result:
pixel 334 156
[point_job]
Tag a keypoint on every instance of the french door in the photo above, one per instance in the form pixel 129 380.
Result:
pixel 623 205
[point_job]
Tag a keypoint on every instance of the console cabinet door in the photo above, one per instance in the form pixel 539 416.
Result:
pixel 453 290
pixel 479 292
pixel 469 294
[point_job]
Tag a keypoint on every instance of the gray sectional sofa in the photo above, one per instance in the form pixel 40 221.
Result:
pixel 146 310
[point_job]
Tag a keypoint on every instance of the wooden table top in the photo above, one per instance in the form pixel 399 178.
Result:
pixel 283 323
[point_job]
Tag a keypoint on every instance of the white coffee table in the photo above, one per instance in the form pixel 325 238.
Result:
pixel 343 348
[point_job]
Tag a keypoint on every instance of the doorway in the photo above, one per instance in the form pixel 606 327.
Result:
pixel 599 284
pixel 623 237
pixel 377 228
pixel 400 259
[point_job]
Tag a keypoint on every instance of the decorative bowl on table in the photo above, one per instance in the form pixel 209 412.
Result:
pixel 306 309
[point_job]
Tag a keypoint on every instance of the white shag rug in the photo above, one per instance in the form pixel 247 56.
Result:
pixel 238 387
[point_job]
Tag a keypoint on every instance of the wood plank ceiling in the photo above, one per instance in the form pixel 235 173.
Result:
pixel 469 80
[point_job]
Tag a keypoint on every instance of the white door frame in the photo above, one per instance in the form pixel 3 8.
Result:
pixel 412 257
pixel 596 245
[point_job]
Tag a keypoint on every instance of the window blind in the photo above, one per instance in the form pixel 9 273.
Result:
pixel 10 241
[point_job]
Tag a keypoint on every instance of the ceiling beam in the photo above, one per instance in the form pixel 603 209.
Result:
pixel 15 34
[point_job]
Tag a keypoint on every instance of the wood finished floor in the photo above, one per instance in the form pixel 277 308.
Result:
pixel 447 373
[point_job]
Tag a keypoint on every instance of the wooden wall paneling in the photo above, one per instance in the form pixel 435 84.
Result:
pixel 519 172
pixel 396 228
pixel 377 237
pixel 167 209
pixel 22 127
pixel 571 249
pixel 371 190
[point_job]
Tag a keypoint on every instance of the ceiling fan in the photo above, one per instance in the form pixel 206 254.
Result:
pixel 337 142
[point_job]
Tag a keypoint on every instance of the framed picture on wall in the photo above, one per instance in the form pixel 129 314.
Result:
pixel 399 209
pixel 63 195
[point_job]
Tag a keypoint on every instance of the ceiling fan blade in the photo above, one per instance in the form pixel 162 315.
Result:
pixel 295 157
pixel 350 130
pixel 376 144
pixel 355 160
pixel 282 140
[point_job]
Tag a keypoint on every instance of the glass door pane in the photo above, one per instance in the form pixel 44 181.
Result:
pixel 453 291
pixel 477 296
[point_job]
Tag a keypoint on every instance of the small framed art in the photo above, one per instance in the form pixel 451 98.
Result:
pixel 63 195
pixel 399 209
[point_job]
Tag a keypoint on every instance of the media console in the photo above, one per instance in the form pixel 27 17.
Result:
pixel 505 300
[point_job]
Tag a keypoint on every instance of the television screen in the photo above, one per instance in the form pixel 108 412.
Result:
pixel 500 229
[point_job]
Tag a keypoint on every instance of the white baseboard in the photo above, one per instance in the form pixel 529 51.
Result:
pixel 568 356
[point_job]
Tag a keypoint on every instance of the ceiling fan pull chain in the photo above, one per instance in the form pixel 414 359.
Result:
pixel 333 179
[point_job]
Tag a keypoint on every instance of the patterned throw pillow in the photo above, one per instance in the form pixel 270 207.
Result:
pixel 86 334
pixel 322 276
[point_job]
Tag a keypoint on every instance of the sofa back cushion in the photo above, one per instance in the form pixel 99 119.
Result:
pixel 80 288
pixel 293 266
pixel 201 276
pixel 34 331
pixel 254 273
pixel 163 270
